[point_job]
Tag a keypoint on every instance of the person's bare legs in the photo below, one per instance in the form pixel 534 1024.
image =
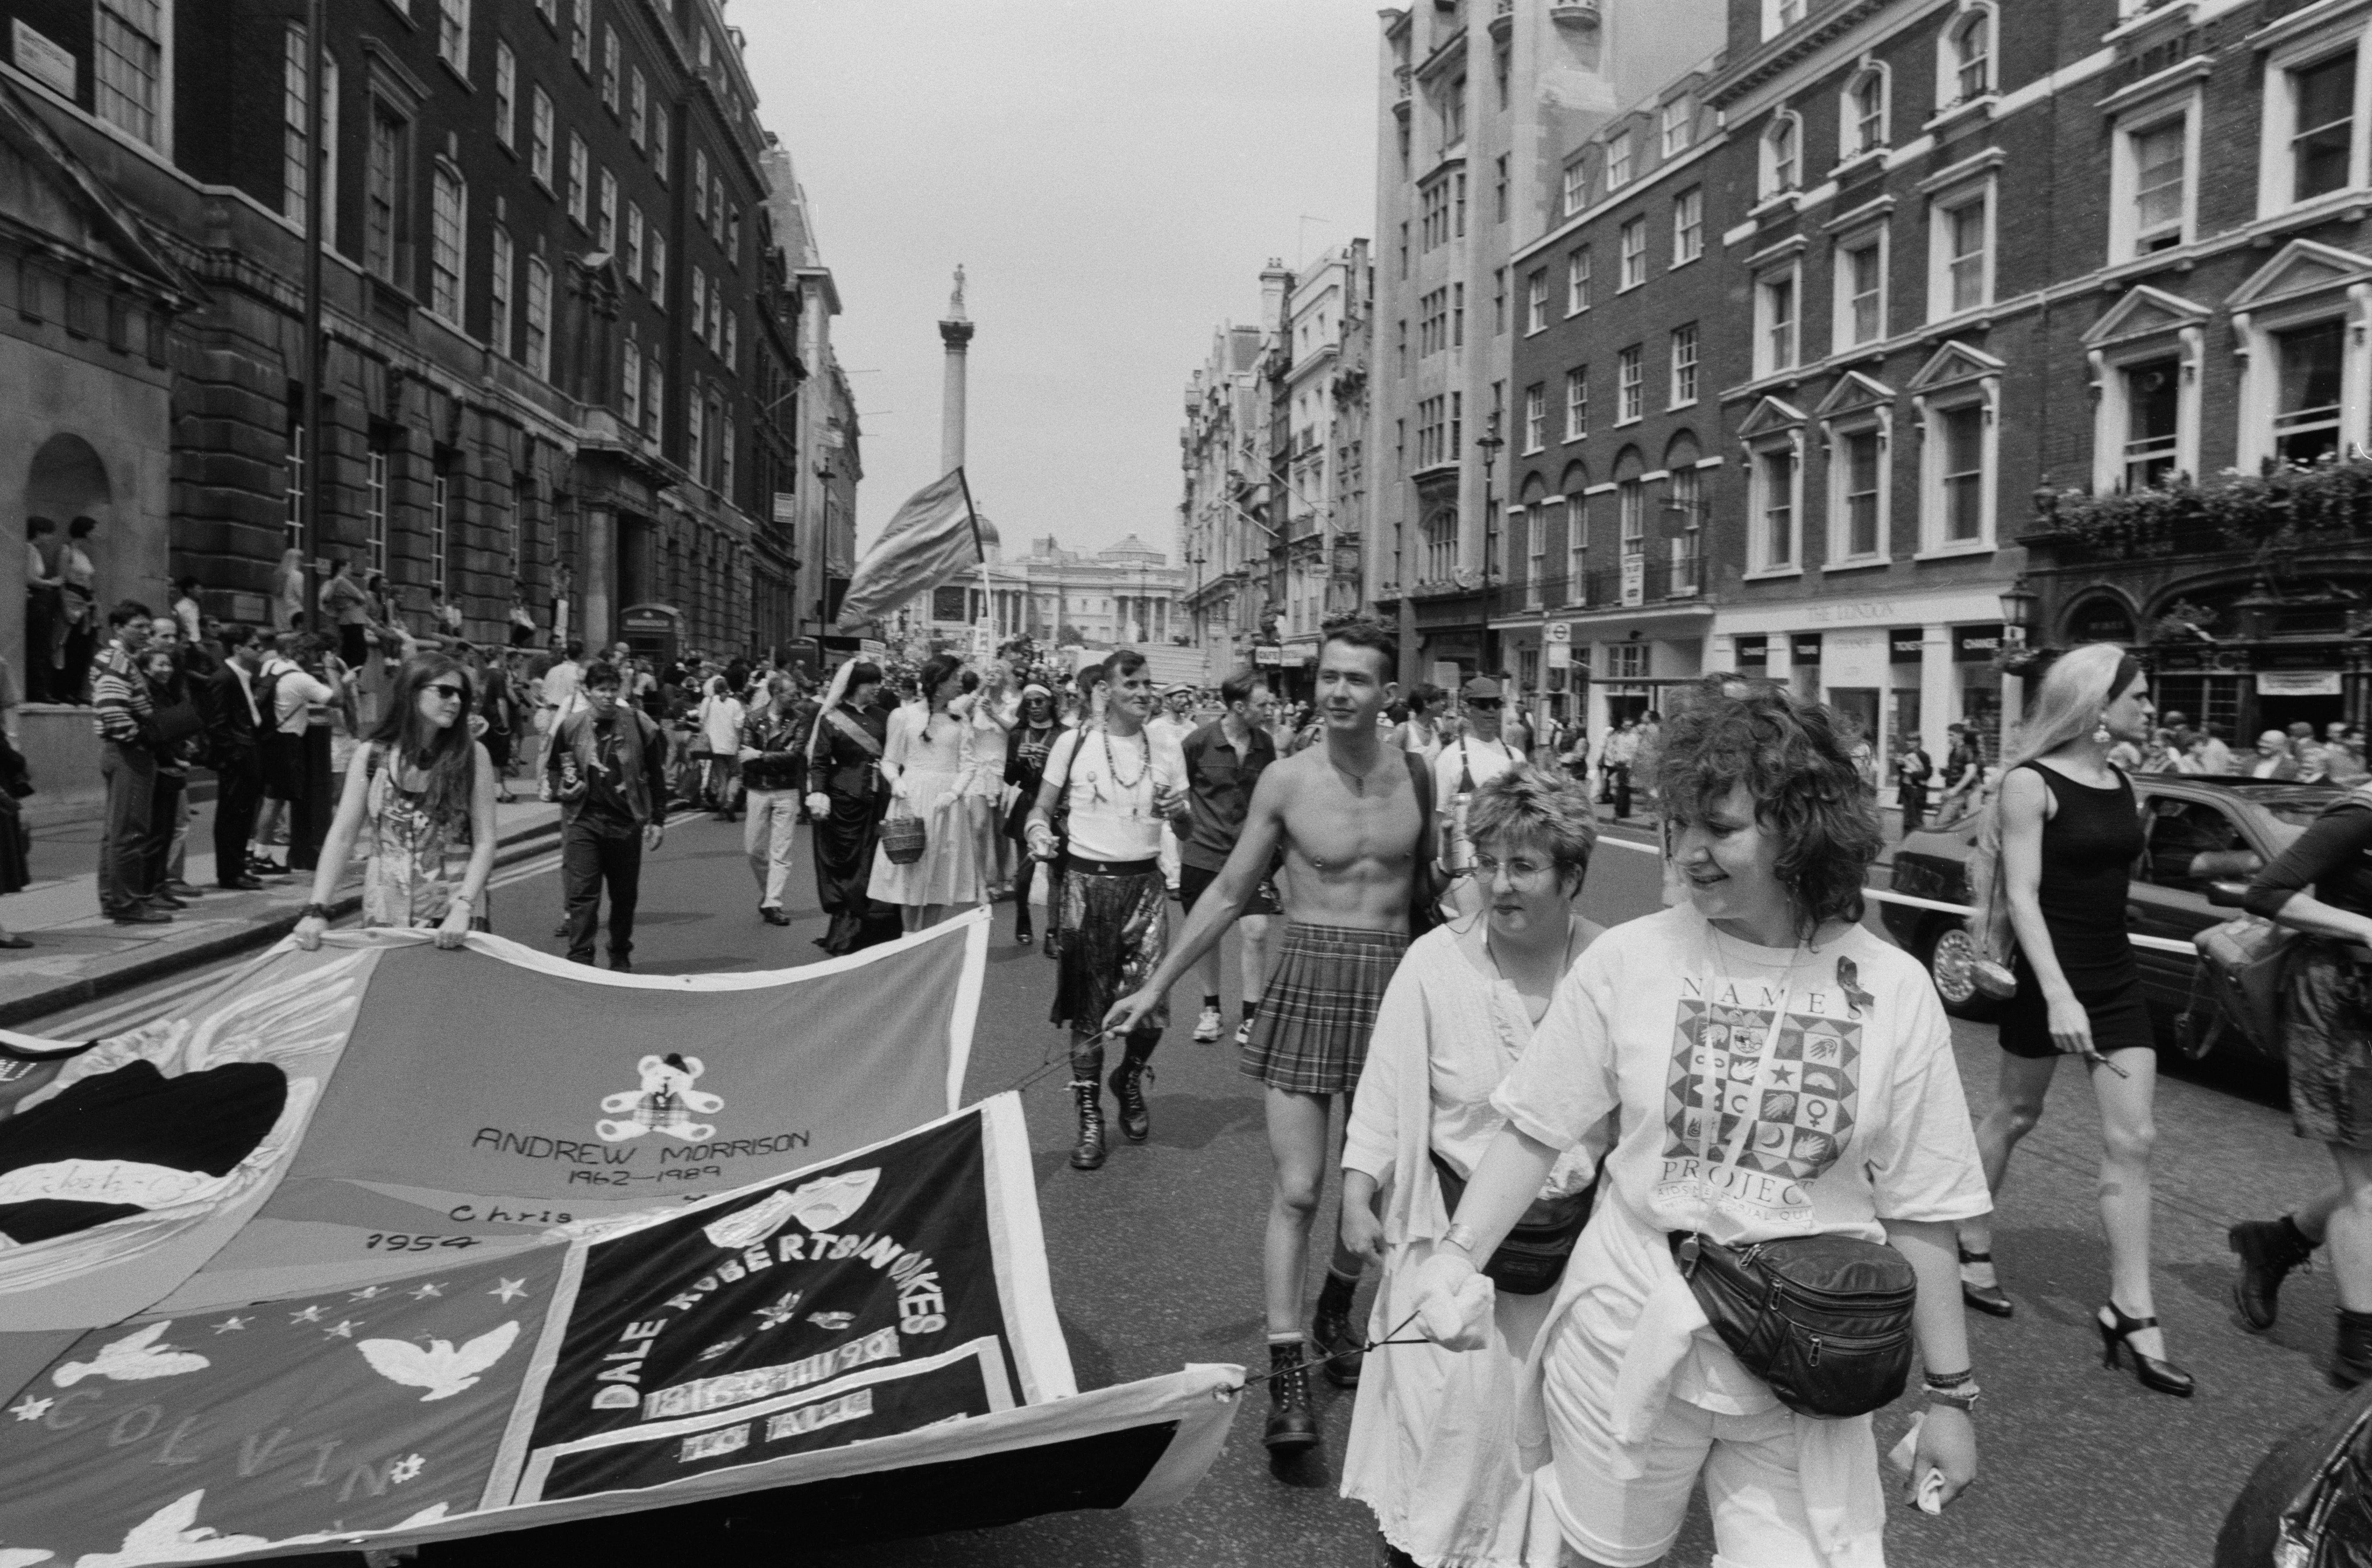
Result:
pixel 1298 1147
pixel 2128 1134
pixel 1262 935
pixel 2018 1105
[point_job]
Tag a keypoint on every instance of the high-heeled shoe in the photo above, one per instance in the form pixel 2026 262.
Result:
pixel 2159 1376
pixel 1989 1299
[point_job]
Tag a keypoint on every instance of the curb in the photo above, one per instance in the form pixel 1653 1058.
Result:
pixel 258 932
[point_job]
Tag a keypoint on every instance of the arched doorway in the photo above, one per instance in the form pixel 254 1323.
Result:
pixel 66 482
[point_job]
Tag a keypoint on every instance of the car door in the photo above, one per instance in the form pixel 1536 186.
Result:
pixel 2166 900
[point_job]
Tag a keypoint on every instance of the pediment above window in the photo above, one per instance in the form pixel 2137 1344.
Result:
pixel 1953 363
pixel 2141 312
pixel 2303 267
pixel 1853 393
pixel 1771 416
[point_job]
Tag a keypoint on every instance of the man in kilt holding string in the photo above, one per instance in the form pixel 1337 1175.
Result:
pixel 1114 785
pixel 1352 816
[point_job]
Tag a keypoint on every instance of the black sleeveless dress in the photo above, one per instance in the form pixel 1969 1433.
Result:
pixel 2089 846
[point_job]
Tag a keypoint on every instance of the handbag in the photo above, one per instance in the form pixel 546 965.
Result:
pixel 1532 1259
pixel 1825 1320
pixel 2241 964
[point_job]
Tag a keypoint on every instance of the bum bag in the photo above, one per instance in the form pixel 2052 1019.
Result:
pixel 1531 1260
pixel 1825 1320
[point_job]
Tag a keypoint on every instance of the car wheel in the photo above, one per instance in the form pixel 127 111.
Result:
pixel 1951 952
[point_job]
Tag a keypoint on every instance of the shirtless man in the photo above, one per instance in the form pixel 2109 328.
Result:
pixel 1352 816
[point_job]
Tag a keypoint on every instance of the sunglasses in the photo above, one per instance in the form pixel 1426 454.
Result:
pixel 449 691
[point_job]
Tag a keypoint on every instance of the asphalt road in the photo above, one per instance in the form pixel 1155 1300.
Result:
pixel 1156 1263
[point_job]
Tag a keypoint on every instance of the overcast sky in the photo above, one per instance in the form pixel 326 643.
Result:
pixel 1113 175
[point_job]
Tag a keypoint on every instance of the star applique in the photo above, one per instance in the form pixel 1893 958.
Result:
pixel 509 1290
pixel 406 1468
pixel 230 1325
pixel 368 1293
pixel 343 1329
pixel 422 1293
pixel 32 1410
pixel 310 1315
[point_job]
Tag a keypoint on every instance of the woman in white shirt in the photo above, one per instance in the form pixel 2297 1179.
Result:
pixel 989 714
pixel 1433 1440
pixel 719 723
pixel 1776 1072
pixel 922 760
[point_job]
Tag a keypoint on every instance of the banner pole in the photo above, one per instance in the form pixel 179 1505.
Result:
pixel 987 594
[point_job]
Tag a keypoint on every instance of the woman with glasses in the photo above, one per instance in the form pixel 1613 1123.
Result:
pixel 1432 1439
pixel 424 795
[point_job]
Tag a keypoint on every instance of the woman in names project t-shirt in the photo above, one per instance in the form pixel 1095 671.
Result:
pixel 1776 1070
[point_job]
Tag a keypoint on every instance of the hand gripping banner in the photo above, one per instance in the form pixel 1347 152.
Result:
pixel 320 1263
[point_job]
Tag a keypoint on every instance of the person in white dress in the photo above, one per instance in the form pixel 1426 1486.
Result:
pixel 719 723
pixel 1681 1024
pixel 924 761
pixel 989 714
pixel 1432 1446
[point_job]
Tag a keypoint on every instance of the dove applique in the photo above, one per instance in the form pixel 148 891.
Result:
pixel 437 1367
pixel 132 1359
pixel 172 1533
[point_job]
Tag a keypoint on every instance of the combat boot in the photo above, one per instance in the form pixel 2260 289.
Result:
pixel 2269 1250
pixel 1128 1085
pixel 1333 1333
pixel 1088 1152
pixel 1292 1424
pixel 2351 1360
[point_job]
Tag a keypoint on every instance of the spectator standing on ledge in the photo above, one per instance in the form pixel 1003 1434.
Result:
pixel 45 627
pixel 607 770
pixel 122 708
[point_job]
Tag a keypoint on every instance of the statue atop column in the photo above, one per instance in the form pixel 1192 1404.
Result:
pixel 955 300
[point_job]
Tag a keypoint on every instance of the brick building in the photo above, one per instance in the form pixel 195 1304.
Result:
pixel 559 334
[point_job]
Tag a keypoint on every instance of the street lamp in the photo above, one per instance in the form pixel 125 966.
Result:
pixel 1488 444
pixel 2017 602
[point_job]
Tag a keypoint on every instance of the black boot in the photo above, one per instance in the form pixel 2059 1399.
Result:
pixel 1292 1425
pixel 1128 1083
pixel 1330 1331
pixel 2351 1358
pixel 1089 1154
pixel 2268 1251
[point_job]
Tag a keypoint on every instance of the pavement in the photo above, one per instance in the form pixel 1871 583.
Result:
pixel 1155 1262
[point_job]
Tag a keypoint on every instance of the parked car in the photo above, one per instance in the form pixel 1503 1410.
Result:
pixel 2196 831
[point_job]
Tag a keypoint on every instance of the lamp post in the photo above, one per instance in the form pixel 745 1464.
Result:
pixel 1488 444
pixel 2017 602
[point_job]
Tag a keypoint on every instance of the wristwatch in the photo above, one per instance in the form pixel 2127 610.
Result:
pixel 1460 1236
pixel 314 912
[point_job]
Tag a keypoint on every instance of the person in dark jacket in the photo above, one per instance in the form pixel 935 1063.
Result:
pixel 607 770
pixel 2321 886
pixel 237 718
pixel 774 775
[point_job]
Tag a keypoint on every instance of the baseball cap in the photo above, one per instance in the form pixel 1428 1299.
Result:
pixel 1481 689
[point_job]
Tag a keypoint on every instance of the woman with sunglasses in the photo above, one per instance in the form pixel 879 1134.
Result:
pixel 1032 738
pixel 424 789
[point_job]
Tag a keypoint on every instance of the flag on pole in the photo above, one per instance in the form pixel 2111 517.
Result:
pixel 932 536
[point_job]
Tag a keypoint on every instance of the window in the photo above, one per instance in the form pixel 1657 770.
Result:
pixel 447 225
pixel 1576 402
pixel 2309 362
pixel 2323 143
pixel 1861 279
pixel 296 87
pixel 1633 259
pixel 1860 454
pixel 731 351
pixel 654 397
pixel 292 489
pixel 1534 525
pixel 714 334
pixel 659 145
pixel 1430 443
pixel 1536 417
pixel 1630 515
pixel 1535 300
pixel 500 264
pixel 699 303
pixel 1577 540
pixel 1458 202
pixel 1774 304
pixel 1865 113
pixel 1965 231
pixel 453 34
pixel 1676 127
pixel 1458 315
pixel 128 66
pixel 375 509
pixel 700 184
pixel 539 317
pixel 1686 504
pixel 2153 422
pixel 440 513
pixel 580 35
pixel 1432 327
pixel 1960 434
pixel 634 244
pixel 1688 226
pixel 506 95
pixel 1618 162
pixel 630 384
pixel 1782 159
pixel 1684 364
pixel 1441 545
pixel 1576 189
pixel 1629 386
pixel 580 182
pixel 605 214
pixel 1499 190
pixel 1970 44
pixel 1774 508
pixel 1498 300
pixel 610 69
pixel 2161 157
pixel 658 269
pixel 1453 114
pixel 383 190
pixel 539 158
pixel 694 428
pixel 1576 282
pixel 638 107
